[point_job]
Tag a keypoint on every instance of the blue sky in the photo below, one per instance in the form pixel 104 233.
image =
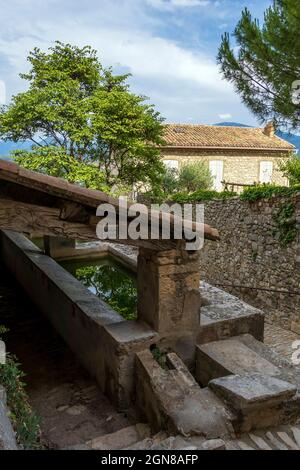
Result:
pixel 168 45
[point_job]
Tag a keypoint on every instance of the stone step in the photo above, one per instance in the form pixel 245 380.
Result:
pixel 277 444
pixel 257 400
pixel 230 357
pixel 121 439
pixel 192 443
pixel 149 442
pixel 246 393
pixel 282 438
pixel 242 355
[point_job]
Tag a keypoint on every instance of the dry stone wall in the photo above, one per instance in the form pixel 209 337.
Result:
pixel 250 262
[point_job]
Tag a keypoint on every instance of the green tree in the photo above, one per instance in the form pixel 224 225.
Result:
pixel 169 183
pixel 264 63
pixel 291 169
pixel 83 115
pixel 195 176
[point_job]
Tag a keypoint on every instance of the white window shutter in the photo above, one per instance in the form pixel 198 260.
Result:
pixel 265 172
pixel 172 164
pixel 216 168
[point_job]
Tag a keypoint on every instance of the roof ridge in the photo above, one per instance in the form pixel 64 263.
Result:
pixel 211 125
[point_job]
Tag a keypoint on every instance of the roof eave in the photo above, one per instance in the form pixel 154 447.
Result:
pixel 205 147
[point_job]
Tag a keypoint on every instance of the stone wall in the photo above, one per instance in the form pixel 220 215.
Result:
pixel 7 435
pixel 250 257
pixel 239 166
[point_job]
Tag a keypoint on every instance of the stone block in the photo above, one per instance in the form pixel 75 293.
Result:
pixel 172 400
pixel 252 391
pixel 168 296
pixel 120 439
pixel 258 401
pixel 295 327
pixel 227 357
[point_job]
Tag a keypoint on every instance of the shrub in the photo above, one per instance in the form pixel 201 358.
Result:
pixel 170 181
pixel 201 195
pixel 291 169
pixel 24 420
pixel 266 191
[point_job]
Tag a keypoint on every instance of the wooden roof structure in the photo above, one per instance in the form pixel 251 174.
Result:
pixel 34 202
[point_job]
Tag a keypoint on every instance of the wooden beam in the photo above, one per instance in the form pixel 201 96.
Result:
pixel 29 218
pixel 49 191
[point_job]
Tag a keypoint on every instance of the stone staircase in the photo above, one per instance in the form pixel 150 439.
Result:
pixel 249 399
pixel 138 437
pixel 280 438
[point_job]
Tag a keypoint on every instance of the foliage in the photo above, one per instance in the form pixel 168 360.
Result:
pixel 169 182
pixel 113 286
pixel 264 62
pixel 55 161
pixel 266 191
pixel 195 176
pixel 160 356
pixel 88 114
pixel 201 195
pixel 291 169
pixel 286 226
pixel 24 420
pixel 3 330
pixel 163 188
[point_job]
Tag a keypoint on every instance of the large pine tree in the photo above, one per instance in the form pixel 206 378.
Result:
pixel 263 63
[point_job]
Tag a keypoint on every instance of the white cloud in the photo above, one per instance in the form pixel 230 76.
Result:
pixel 170 4
pixel 224 117
pixel 184 84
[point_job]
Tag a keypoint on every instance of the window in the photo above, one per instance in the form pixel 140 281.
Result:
pixel 216 169
pixel 265 172
pixel 172 164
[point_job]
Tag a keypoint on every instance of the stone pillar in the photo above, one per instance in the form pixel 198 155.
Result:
pixel 58 247
pixel 169 297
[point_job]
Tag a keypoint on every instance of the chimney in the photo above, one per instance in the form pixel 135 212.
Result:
pixel 269 130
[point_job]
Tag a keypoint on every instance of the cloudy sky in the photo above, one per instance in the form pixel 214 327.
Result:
pixel 169 46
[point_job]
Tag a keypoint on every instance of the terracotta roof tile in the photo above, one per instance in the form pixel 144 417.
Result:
pixel 10 172
pixel 203 136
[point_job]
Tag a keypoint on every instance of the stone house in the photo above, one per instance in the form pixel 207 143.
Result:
pixel 236 155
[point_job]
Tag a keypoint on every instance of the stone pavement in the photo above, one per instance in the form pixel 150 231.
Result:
pixel 281 438
pixel 280 340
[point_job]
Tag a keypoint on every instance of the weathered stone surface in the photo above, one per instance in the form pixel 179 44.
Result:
pixel 295 327
pixel 169 298
pixel 172 400
pixel 288 441
pixel 120 439
pixel 260 442
pixel 213 444
pixel 230 356
pixel 252 391
pixel 218 304
pixel 7 435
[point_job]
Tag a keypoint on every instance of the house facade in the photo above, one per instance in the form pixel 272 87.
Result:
pixel 235 155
